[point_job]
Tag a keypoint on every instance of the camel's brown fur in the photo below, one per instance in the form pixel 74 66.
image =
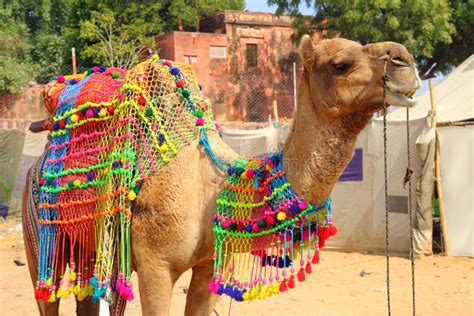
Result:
pixel 340 89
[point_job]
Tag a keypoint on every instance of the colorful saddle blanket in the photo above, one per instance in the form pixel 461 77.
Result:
pixel 110 130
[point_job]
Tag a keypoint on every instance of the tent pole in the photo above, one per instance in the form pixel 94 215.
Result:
pixel 439 188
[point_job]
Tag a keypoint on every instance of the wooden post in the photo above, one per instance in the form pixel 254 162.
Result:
pixel 275 111
pixel 439 188
pixel 73 52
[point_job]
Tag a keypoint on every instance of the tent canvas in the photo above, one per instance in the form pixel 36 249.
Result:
pixel 454 102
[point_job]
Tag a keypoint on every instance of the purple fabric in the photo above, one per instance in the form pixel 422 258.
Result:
pixel 354 170
pixel 3 211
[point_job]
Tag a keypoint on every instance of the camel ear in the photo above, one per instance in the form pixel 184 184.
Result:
pixel 307 52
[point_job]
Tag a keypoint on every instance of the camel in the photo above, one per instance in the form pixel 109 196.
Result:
pixel 341 87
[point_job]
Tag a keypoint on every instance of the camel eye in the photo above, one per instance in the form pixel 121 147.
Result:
pixel 399 61
pixel 342 67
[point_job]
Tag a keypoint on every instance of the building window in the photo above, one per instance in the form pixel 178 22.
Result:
pixel 251 55
pixel 190 59
pixel 218 52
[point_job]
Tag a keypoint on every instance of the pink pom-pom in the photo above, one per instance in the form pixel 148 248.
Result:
pixel 250 173
pixel 200 121
pixel 89 113
pixel 210 286
pixel 215 288
pixel 96 69
pixel 255 227
pixel 60 79
pixel 225 224
pixel 120 96
pixel 302 205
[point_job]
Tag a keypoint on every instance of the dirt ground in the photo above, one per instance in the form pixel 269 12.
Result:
pixel 342 284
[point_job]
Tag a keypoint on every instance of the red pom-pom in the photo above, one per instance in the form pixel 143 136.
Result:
pixel 283 286
pixel 291 282
pixel 38 294
pixel 180 83
pixel 315 258
pixel 322 243
pixel 301 276
pixel 332 230
pixel 308 269
pixel 270 220
pixel 141 100
pixel 42 181
pixel 62 124
pixel 111 109
pixel 240 226
pixel 60 79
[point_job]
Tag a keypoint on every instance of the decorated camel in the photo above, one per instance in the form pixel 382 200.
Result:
pixel 136 178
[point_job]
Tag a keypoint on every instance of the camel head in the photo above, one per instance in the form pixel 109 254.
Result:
pixel 346 78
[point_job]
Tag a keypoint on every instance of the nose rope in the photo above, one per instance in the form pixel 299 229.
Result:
pixel 407 179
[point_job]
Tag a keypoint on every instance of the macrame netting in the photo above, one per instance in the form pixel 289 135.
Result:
pixel 110 130
pixel 113 128
pixel 264 234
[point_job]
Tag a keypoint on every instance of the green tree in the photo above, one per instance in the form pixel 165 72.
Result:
pixel 433 31
pixel 16 68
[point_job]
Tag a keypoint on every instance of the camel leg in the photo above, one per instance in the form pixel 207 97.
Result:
pixel 87 307
pixel 200 301
pixel 156 283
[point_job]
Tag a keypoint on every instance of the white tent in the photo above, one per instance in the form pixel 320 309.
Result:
pixel 454 102
pixel 359 206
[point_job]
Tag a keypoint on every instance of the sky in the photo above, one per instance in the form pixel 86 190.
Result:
pixel 262 6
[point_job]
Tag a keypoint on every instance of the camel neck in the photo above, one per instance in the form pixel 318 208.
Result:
pixel 318 148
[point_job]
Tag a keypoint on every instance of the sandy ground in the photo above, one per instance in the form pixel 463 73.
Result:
pixel 342 284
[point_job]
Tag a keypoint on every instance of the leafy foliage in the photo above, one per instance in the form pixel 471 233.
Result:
pixel 434 31
pixel 36 36
pixel 15 64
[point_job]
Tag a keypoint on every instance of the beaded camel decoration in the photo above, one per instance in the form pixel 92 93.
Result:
pixel 263 236
pixel 112 129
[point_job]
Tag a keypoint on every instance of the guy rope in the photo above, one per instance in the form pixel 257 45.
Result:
pixel 407 179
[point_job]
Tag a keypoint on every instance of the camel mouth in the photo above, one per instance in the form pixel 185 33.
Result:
pixel 403 98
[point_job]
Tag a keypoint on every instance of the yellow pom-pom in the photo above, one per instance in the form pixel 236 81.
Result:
pixel 261 293
pixel 52 297
pixel 164 148
pixel 72 276
pixel 83 293
pixel 106 170
pixel 49 282
pixel 77 182
pixel 62 293
pixel 155 56
pixel 281 216
pixel 74 118
pixel 76 289
pixel 102 112
pixel 132 195
pixel 243 176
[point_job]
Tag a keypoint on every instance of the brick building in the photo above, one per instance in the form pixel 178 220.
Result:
pixel 243 60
